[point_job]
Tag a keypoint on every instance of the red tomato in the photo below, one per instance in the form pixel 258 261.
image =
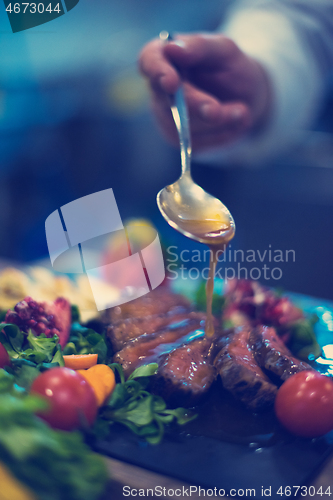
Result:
pixel 4 357
pixel 304 404
pixel 71 398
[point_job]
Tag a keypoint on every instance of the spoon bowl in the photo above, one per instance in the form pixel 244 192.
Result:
pixel 195 213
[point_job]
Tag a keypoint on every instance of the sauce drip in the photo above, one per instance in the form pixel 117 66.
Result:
pixel 156 352
pixel 216 232
pixel 209 327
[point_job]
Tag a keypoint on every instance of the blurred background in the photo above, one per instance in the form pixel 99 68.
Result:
pixel 75 119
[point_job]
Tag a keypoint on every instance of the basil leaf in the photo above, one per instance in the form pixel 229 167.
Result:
pixel 152 433
pixel 70 348
pixel 35 356
pixel 10 329
pixel 75 313
pixel 58 357
pixel 25 375
pixel 141 414
pixel 17 362
pixel 182 415
pixel 117 368
pixel 42 343
pixel 303 342
pixel 144 371
pixel 6 381
pixel 118 397
pixel 166 419
pixel 101 349
pixel 85 340
pixel 155 439
pixel 123 393
pixel 140 411
pixel 158 404
pixel 13 340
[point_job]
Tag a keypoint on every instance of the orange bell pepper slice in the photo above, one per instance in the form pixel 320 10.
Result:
pixel 80 361
pixel 102 380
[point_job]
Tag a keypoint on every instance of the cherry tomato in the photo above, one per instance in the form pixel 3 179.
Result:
pixel 4 357
pixel 304 404
pixel 71 398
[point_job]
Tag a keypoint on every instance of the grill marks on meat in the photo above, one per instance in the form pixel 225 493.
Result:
pixel 159 301
pixel 273 355
pixel 241 374
pixel 124 330
pixel 187 372
pixel 149 348
pixel 251 360
pixel 183 354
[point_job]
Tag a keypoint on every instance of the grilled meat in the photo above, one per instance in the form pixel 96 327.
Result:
pixel 187 373
pixel 159 301
pixel 149 348
pixel 241 374
pixel 272 354
pixel 124 330
pixel 160 327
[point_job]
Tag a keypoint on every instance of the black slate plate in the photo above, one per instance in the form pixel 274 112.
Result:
pixel 212 457
pixel 226 447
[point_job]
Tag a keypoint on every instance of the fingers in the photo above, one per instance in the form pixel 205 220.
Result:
pixel 212 122
pixel 159 61
pixel 206 109
pixel 153 64
pixel 206 51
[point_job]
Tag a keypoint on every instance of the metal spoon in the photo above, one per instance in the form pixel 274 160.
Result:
pixel 185 205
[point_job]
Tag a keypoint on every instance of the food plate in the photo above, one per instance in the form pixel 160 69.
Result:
pixel 228 448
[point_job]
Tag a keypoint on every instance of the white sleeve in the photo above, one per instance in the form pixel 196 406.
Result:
pixel 294 43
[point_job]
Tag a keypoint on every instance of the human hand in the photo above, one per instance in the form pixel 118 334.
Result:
pixel 227 92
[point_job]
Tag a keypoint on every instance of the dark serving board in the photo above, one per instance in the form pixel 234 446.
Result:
pixel 227 447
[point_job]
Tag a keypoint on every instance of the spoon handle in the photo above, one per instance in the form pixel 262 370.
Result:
pixel 181 119
pixel 180 116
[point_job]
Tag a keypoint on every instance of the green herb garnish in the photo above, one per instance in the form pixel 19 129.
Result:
pixel 85 340
pixel 29 354
pixel 303 342
pixel 145 414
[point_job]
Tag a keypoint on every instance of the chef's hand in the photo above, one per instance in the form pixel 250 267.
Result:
pixel 227 92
